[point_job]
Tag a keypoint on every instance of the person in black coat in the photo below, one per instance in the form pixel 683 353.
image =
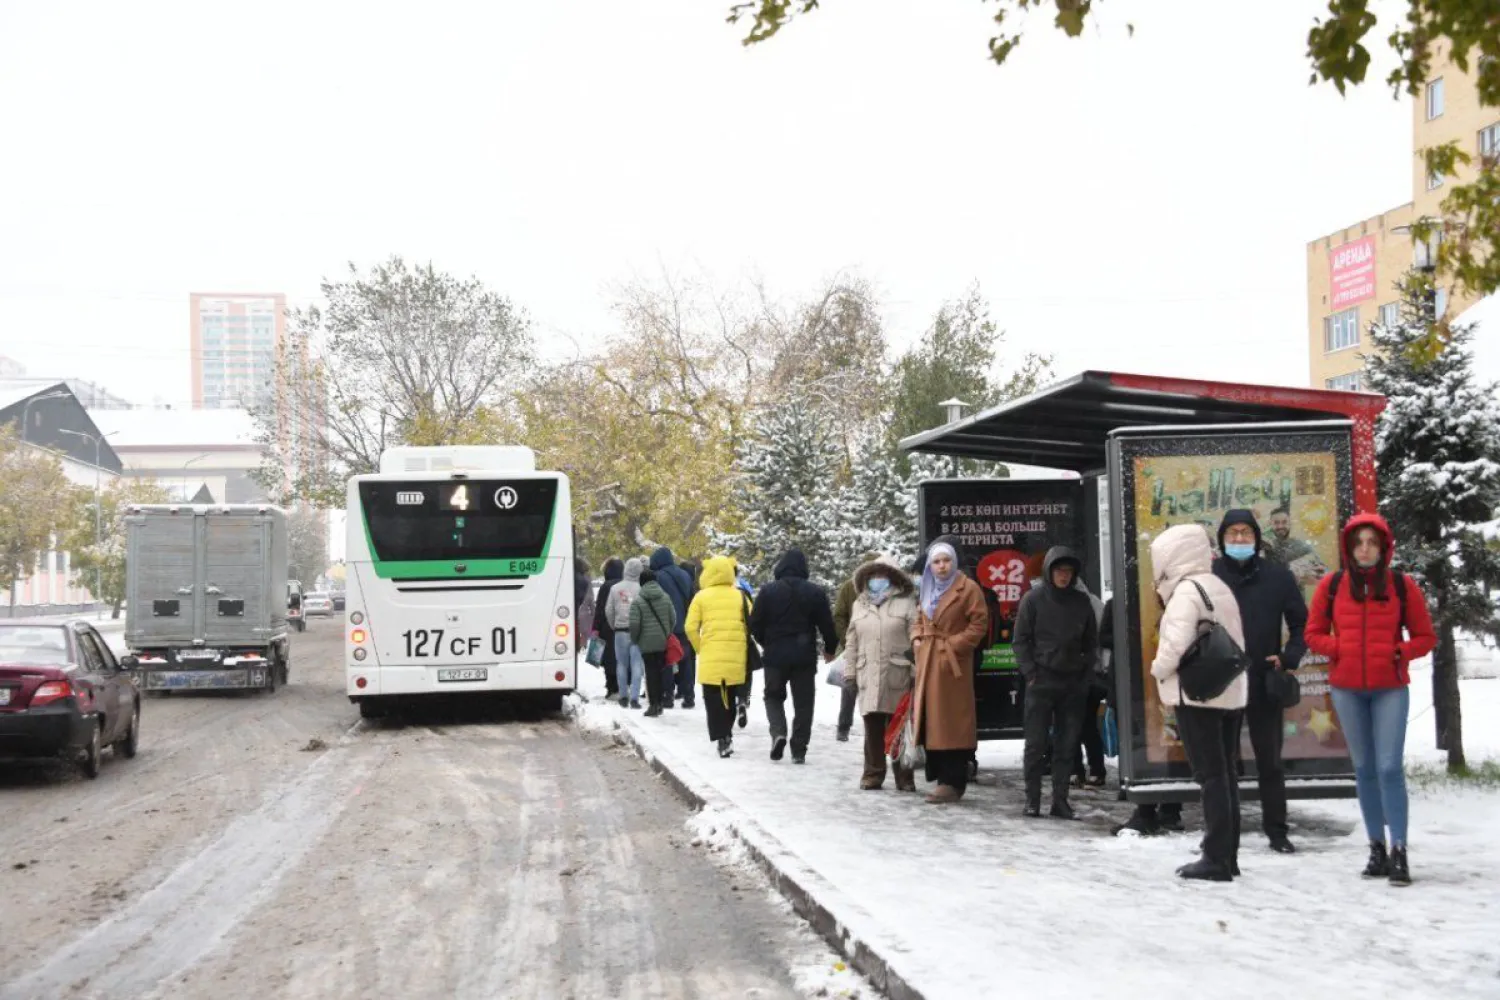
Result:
pixel 1268 596
pixel 678 584
pixel 614 572
pixel 1056 642
pixel 789 615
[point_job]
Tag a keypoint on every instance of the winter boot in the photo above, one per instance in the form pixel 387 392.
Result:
pixel 624 702
pixel 1170 817
pixel 1379 866
pixel 1204 870
pixel 943 795
pixel 1400 874
pixel 1033 808
pixel 635 703
pixel 843 735
pixel 744 718
pixel 1095 781
pixel 1061 810
pixel 1143 821
pixel 653 711
pixel 1281 845
pixel 906 780
pixel 726 746
pixel 778 747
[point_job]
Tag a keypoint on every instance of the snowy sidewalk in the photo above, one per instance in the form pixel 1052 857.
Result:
pixel 973 901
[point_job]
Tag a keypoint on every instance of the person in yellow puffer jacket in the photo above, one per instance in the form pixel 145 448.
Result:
pixel 716 626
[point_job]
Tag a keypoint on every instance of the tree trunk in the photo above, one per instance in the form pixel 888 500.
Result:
pixel 1445 699
pixel 115 614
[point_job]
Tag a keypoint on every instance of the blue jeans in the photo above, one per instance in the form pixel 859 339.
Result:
pixel 629 666
pixel 1374 724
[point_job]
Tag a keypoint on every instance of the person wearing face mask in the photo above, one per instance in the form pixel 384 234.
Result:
pixel 878 659
pixel 1358 618
pixel 1270 602
pixel 952 620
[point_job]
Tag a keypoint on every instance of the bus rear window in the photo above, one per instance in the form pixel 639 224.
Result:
pixel 458 520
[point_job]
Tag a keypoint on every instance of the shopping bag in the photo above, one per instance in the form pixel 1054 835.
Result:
pixel 1110 732
pixel 912 756
pixel 674 651
pixel 897 726
pixel 835 675
pixel 595 655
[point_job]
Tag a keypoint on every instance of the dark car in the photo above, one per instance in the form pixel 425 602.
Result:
pixel 62 693
pixel 338 600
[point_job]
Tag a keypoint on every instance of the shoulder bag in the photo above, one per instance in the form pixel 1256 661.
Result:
pixel 1213 662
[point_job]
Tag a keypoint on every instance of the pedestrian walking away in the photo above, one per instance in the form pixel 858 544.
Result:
pixel 629 665
pixel 745 690
pixel 790 615
pixel 716 629
pixel 952 620
pixel 583 603
pixel 653 621
pixel 678 585
pixel 1271 605
pixel 1056 642
pixel 878 662
pixel 1182 571
pixel 614 572
pixel 843 608
pixel 1371 622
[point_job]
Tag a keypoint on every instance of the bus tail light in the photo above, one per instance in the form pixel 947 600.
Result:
pixel 562 611
pixel 561 630
pixel 356 618
pixel 360 654
pixel 357 636
pixel 560 649
pixel 559 677
pixel 360 683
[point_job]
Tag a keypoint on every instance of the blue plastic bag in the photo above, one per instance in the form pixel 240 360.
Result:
pixel 1110 731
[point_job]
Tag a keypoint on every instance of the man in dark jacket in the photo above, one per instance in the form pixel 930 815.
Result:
pixel 614 572
pixel 789 615
pixel 679 587
pixel 1268 595
pixel 1056 642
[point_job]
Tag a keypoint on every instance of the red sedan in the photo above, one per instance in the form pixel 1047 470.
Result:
pixel 62 693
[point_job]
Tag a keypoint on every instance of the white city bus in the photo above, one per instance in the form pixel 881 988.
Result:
pixel 459 578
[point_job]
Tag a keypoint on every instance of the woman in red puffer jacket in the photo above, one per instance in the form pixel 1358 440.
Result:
pixel 1356 621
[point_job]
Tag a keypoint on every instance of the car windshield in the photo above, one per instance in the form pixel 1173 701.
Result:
pixel 33 645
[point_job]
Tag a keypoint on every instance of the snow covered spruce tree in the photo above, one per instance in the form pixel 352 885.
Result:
pixel 792 488
pixel 1438 451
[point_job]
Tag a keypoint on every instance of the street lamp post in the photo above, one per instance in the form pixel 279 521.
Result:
pixel 98 440
pixel 26 410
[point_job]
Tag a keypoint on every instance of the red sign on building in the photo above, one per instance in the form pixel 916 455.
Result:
pixel 1352 273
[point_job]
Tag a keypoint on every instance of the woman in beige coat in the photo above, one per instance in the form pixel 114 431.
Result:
pixel 952 620
pixel 878 659
pixel 1182 571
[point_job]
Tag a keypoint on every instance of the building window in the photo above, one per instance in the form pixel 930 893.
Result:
pixel 1345 383
pixel 1434 180
pixel 1440 303
pixel 1390 314
pixel 1489 141
pixel 1341 330
pixel 1435 99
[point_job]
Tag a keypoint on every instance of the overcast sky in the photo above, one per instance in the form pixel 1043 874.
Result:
pixel 1137 204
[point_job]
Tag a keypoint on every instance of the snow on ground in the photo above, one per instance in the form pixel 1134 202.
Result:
pixel 974 901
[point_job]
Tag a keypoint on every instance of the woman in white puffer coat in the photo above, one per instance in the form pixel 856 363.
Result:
pixel 1180 558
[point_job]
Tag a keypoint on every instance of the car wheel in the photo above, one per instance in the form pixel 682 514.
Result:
pixel 273 670
pixel 91 753
pixel 283 671
pixel 132 741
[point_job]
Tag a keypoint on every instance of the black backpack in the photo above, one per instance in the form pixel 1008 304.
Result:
pixel 1213 662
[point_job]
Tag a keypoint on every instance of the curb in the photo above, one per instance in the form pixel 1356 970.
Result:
pixel 863 959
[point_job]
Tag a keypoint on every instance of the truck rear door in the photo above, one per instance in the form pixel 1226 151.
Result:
pixel 162 595
pixel 236 550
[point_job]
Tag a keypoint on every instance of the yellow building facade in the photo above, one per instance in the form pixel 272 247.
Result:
pixel 1352 273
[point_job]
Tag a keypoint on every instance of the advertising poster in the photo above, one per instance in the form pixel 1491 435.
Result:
pixel 1003 529
pixel 1351 273
pixel 1300 489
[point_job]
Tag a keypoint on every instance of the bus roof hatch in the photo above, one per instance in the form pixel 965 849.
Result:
pixel 459 458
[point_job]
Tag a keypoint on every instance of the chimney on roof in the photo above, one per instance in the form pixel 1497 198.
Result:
pixel 953 409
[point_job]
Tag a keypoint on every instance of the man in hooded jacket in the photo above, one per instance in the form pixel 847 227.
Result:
pixel 1268 596
pixel 1056 642
pixel 679 587
pixel 789 615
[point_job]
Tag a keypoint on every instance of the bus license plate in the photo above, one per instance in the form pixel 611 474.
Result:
pixel 464 674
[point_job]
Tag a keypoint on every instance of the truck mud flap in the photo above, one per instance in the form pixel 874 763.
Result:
pixel 205 680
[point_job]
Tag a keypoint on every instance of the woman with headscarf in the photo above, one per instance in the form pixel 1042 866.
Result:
pixel 951 622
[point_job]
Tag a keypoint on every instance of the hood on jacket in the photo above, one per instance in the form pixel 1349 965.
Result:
pixel 1060 555
pixel 633 569
pixel 792 563
pixel 900 581
pixel 1239 515
pixel 662 558
pixel 1346 540
pixel 718 572
pixel 614 569
pixel 1177 554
